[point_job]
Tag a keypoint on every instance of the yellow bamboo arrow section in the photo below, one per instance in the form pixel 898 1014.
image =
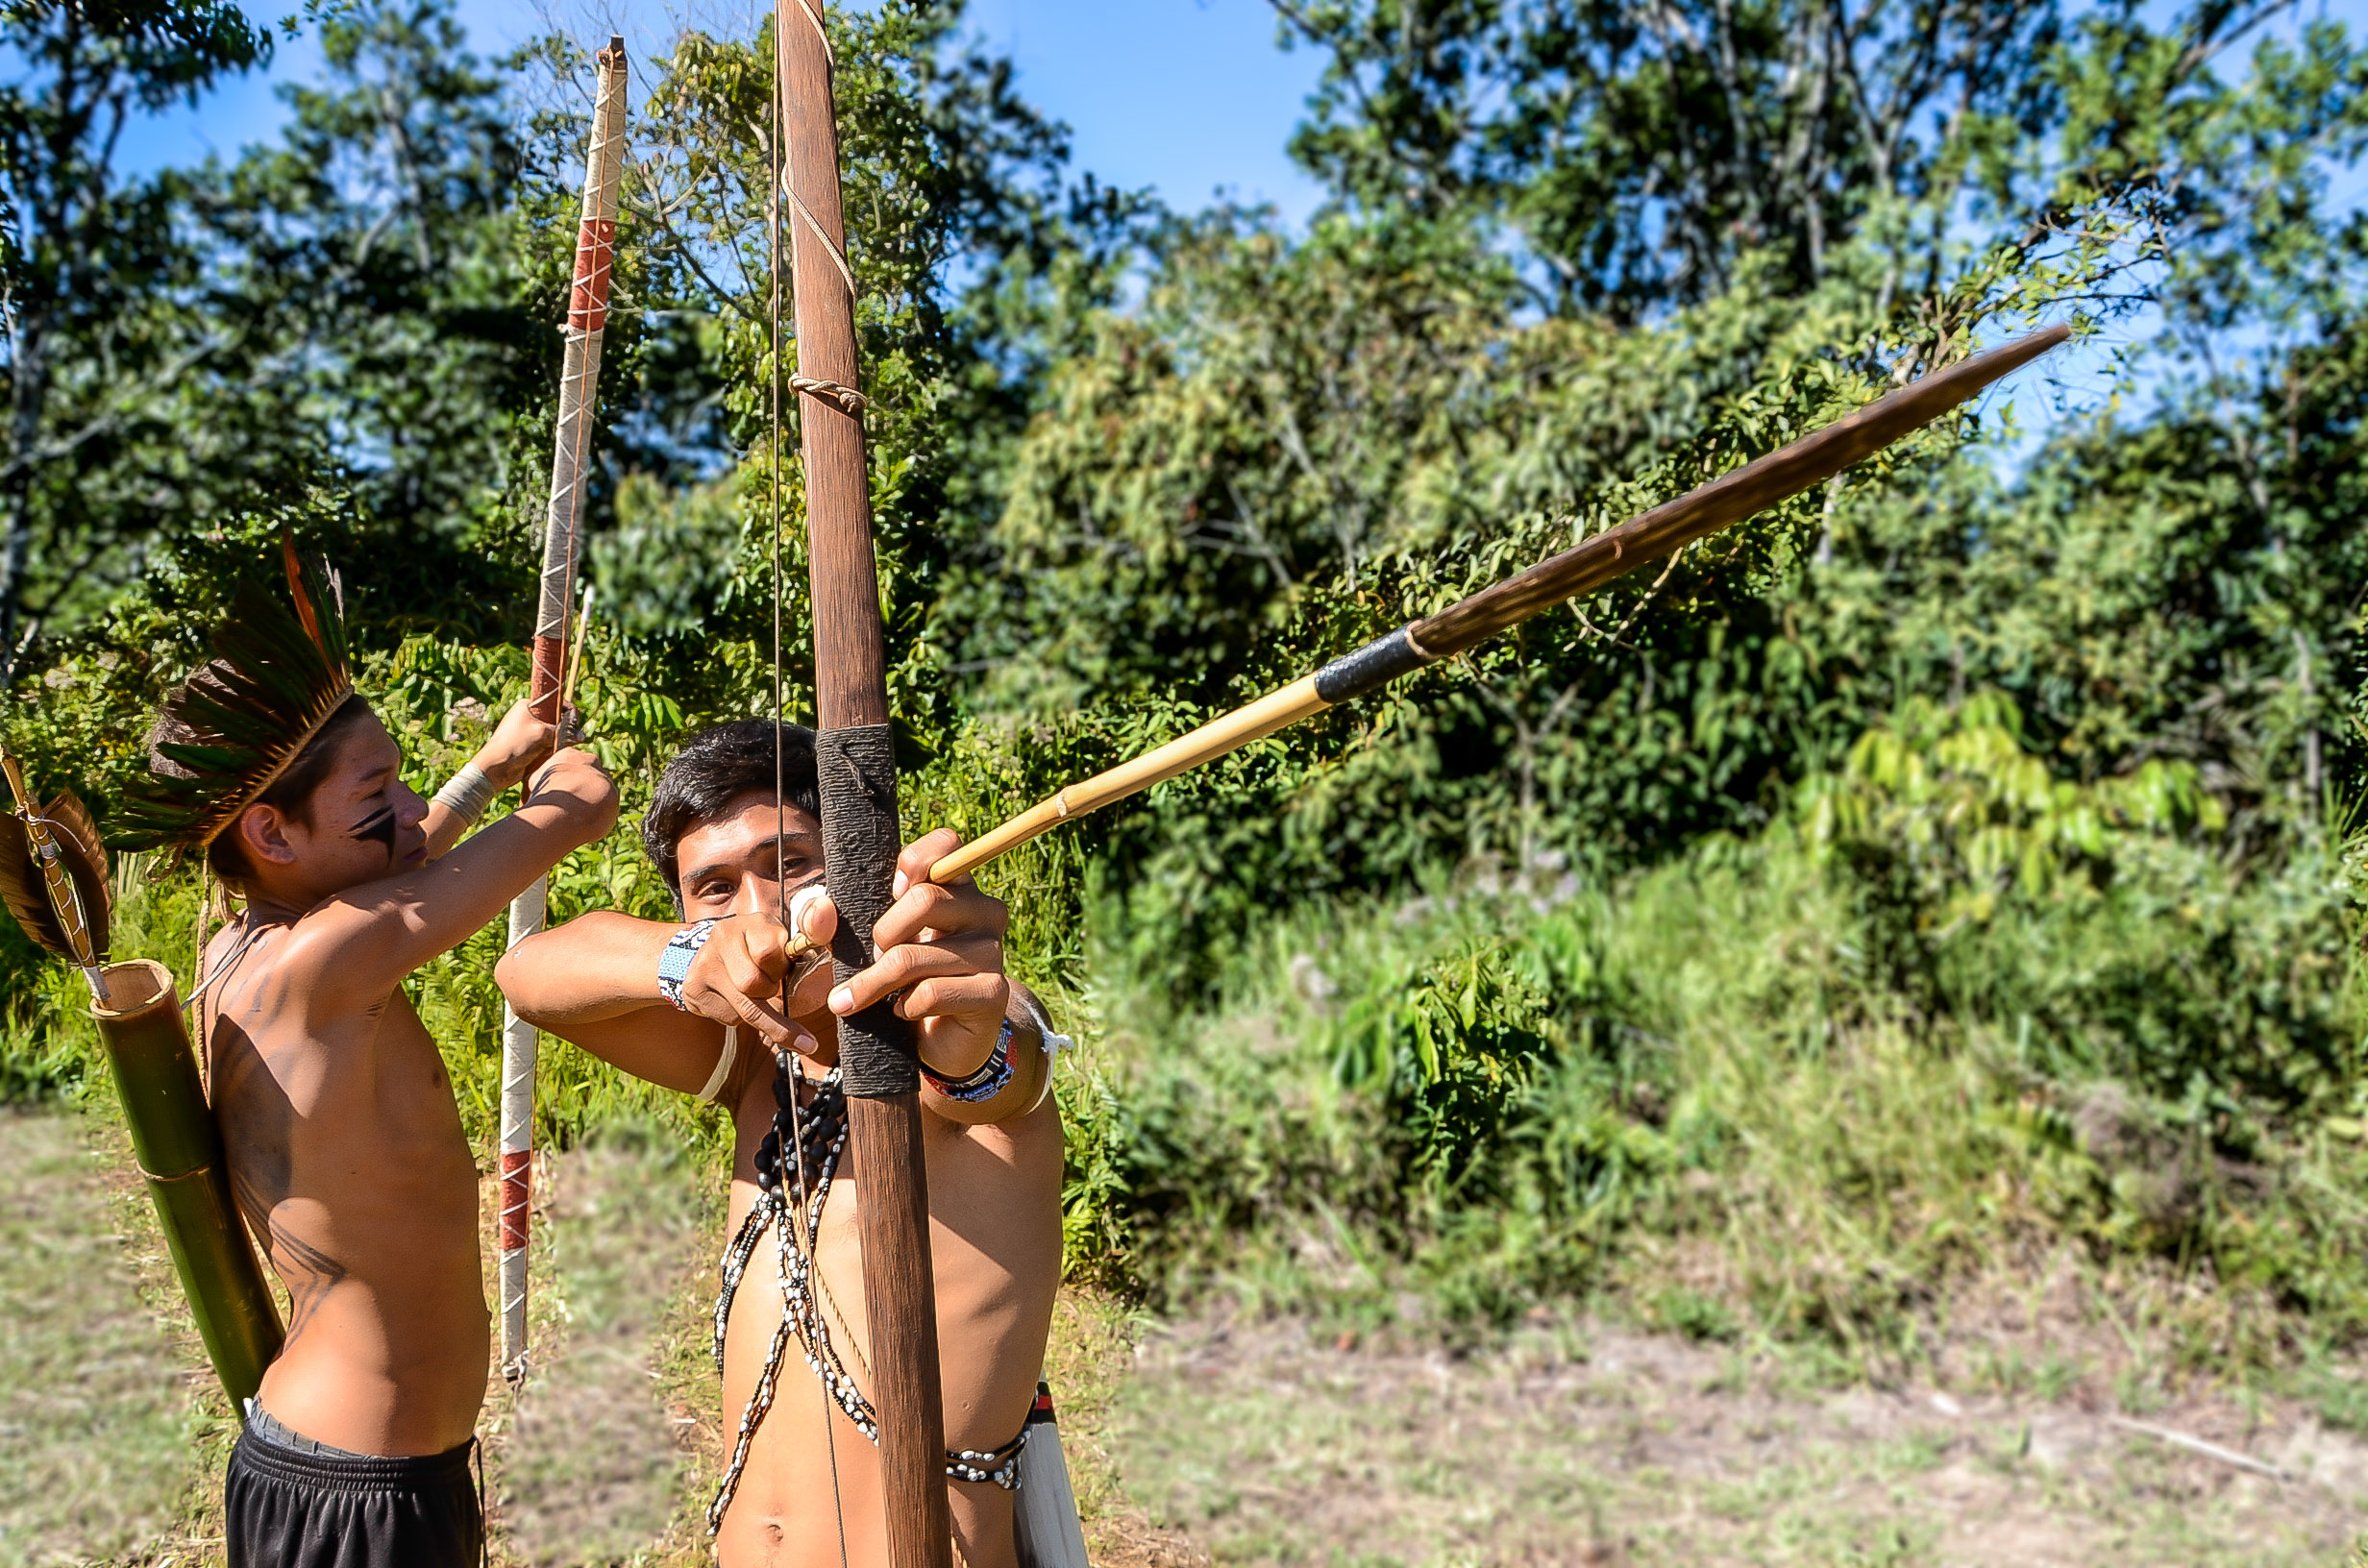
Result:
pixel 1672 526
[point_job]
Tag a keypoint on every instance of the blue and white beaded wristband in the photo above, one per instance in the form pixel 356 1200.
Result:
pixel 673 965
pixel 987 1082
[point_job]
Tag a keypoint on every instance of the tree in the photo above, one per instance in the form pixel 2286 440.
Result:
pixel 84 259
pixel 1288 446
pixel 391 274
pixel 1638 152
pixel 968 248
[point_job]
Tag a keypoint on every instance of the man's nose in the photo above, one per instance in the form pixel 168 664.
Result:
pixel 754 897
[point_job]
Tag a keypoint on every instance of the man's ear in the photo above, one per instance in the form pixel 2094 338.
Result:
pixel 262 832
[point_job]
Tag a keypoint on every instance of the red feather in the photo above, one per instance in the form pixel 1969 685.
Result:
pixel 305 611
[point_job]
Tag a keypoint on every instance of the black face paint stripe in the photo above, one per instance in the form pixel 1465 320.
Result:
pixel 379 825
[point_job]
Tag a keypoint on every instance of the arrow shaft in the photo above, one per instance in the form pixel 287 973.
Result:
pixel 1721 504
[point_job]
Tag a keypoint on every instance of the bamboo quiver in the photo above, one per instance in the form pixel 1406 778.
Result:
pixel 179 1148
pixel 53 878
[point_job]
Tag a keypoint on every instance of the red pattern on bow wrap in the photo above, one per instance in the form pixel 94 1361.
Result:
pixel 587 316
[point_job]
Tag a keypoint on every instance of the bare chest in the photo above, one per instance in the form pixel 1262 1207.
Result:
pixel 359 1107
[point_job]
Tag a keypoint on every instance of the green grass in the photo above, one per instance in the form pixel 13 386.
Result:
pixel 103 1433
pixel 1270 1445
pixel 590 1468
pixel 1734 1096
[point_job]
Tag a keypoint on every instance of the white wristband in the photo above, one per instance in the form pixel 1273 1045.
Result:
pixel 722 1063
pixel 467 794
pixel 1053 1044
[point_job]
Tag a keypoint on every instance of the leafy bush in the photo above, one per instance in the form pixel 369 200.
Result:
pixel 1944 1014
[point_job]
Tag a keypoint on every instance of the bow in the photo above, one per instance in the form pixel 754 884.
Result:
pixel 856 756
pixel 587 317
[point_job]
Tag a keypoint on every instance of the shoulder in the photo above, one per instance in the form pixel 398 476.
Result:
pixel 285 972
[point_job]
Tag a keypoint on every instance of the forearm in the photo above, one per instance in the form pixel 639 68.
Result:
pixel 381 931
pixel 597 966
pixel 444 826
pixel 465 798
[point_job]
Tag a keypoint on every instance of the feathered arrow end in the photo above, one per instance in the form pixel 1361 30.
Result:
pixel 26 894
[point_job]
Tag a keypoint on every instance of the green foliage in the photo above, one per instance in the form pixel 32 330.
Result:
pixel 1286 446
pixel 1947 869
pixel 1907 1033
pixel 1969 815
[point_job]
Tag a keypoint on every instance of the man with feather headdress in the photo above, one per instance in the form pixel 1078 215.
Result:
pixel 343 1139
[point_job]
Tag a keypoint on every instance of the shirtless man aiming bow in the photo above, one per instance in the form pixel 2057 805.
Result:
pixel 717 1004
pixel 344 1142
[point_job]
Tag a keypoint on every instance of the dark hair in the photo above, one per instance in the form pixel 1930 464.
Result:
pixel 715 768
pixel 291 791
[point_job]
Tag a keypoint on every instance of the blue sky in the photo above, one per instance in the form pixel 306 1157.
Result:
pixel 1181 95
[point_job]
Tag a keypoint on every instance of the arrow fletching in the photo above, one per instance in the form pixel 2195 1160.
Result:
pixel 26 891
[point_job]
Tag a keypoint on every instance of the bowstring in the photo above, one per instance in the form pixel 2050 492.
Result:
pixel 776 171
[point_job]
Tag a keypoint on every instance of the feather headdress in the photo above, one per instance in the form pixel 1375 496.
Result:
pixel 26 894
pixel 224 736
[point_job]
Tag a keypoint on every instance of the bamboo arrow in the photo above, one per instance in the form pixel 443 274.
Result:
pixel 1698 513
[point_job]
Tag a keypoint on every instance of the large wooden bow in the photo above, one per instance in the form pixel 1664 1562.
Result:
pixel 856 756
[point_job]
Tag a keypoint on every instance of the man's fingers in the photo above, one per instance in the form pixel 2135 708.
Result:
pixel 913 865
pixel 895 969
pixel 968 997
pixel 811 912
pixel 766 942
pixel 769 1022
pixel 746 973
pixel 945 910
pixel 727 1004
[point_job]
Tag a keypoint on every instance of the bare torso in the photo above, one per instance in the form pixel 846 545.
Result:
pixel 994 1237
pixel 347 1157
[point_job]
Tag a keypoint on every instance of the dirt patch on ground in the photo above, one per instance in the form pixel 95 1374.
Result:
pixel 1267 1444
pixel 94 1404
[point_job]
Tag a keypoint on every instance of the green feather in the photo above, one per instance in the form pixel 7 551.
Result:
pixel 268 683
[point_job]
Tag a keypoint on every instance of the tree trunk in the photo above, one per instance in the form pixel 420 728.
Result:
pixel 29 393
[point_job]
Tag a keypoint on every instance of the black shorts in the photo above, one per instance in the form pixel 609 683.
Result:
pixel 286 1509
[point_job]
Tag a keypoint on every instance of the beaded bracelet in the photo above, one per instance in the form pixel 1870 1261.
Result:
pixel 673 965
pixel 987 1082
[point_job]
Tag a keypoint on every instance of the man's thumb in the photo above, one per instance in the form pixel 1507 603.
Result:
pixel 801 904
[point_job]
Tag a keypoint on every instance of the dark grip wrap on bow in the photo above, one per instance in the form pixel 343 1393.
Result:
pixel 857 772
pixel 1369 668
